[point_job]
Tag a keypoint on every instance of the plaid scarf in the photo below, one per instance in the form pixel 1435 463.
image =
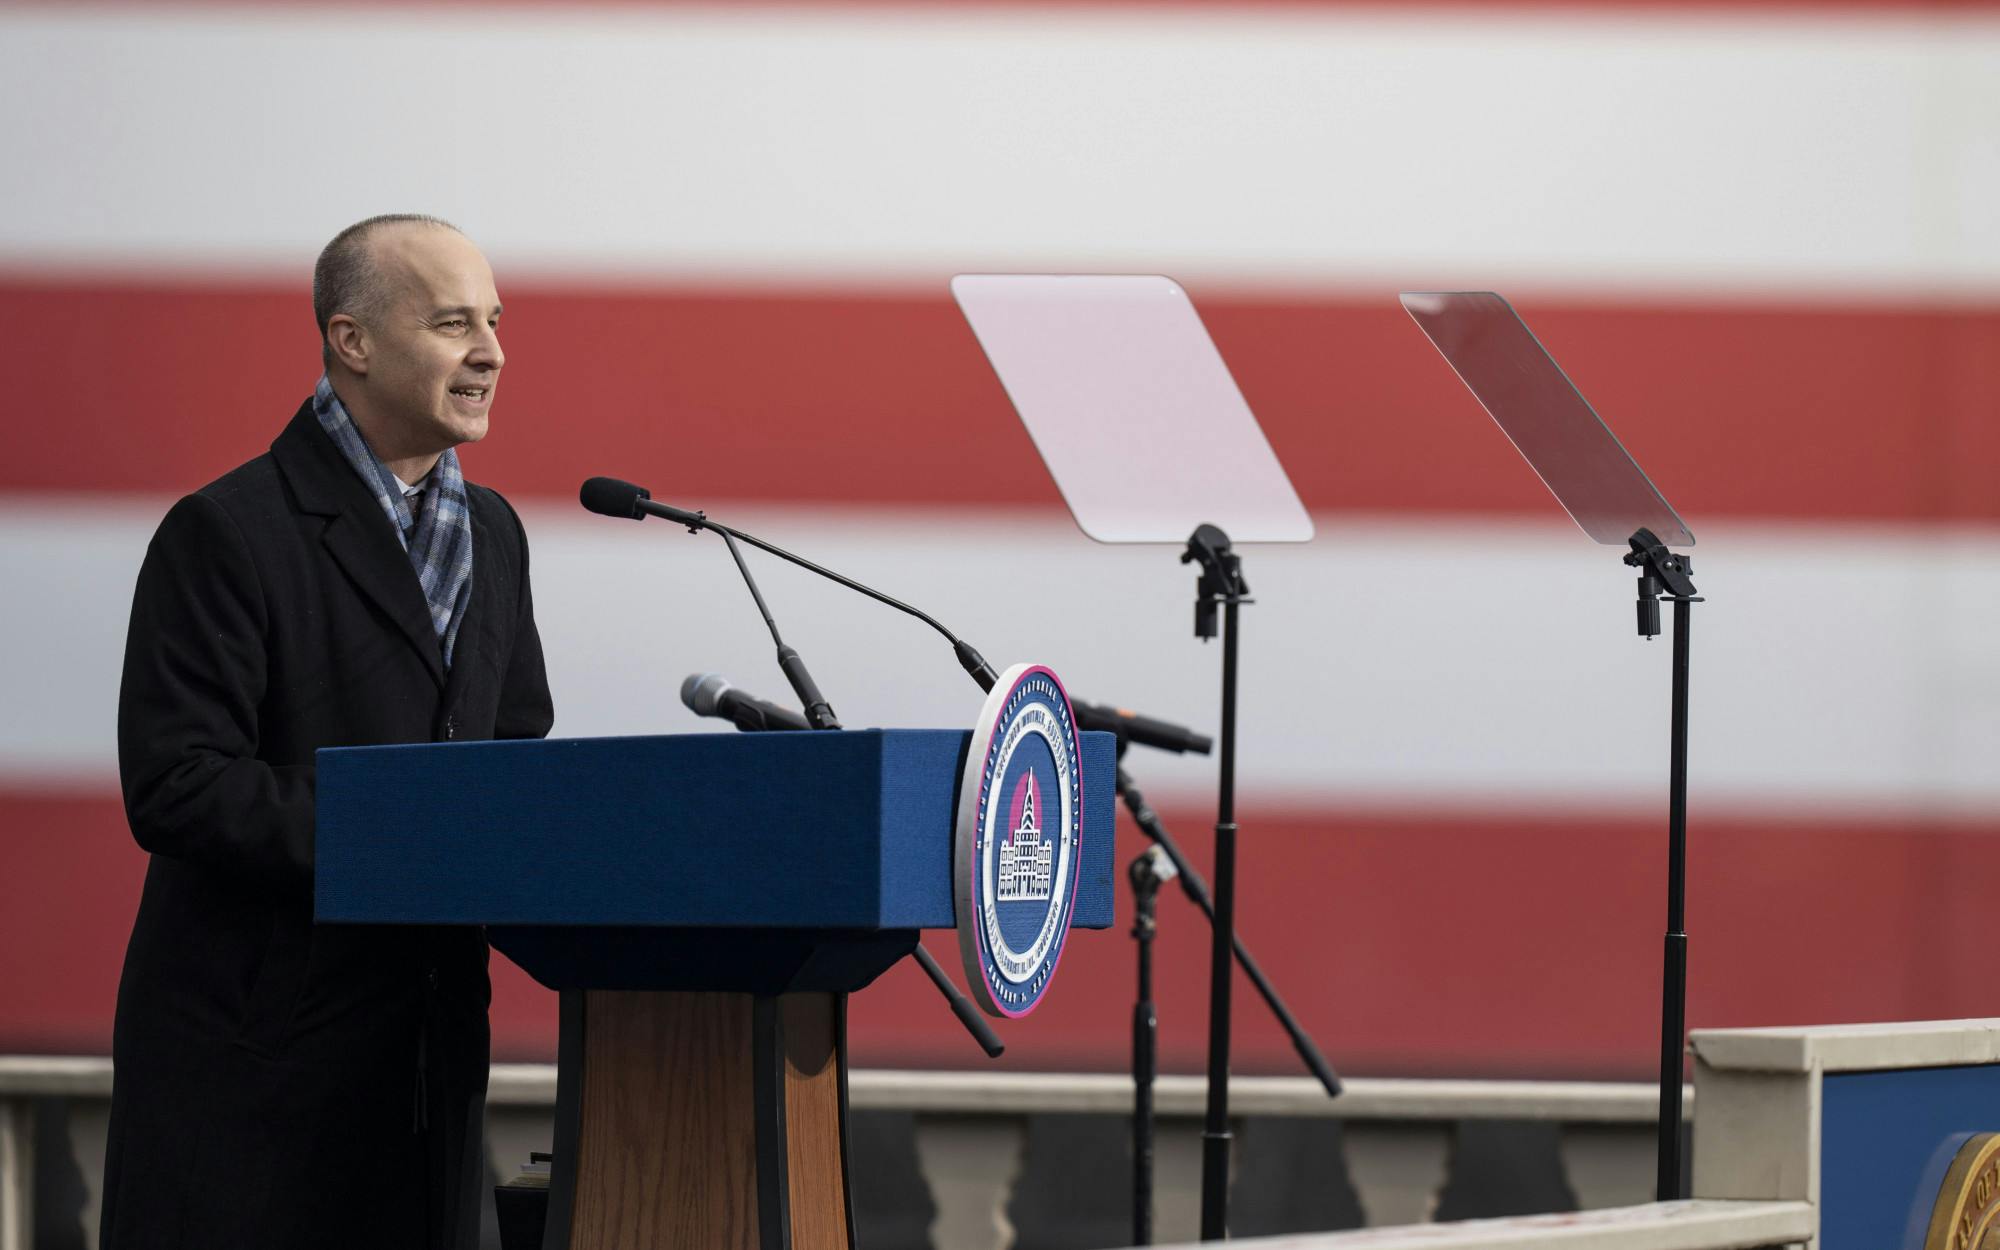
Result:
pixel 438 535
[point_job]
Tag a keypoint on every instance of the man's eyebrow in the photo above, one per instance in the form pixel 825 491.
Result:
pixel 462 310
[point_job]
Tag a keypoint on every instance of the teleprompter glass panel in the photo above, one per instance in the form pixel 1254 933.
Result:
pixel 1579 459
pixel 1131 407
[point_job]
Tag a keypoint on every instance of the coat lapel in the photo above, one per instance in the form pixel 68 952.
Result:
pixel 357 534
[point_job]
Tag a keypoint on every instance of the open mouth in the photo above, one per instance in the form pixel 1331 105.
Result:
pixel 476 394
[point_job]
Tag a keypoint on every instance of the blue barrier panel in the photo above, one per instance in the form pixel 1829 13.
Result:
pixel 1887 1139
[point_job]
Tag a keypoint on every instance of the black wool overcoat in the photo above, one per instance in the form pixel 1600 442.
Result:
pixel 280 1083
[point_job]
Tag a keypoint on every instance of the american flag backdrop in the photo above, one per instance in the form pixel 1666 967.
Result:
pixel 1764 241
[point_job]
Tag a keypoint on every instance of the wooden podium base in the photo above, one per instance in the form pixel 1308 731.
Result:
pixel 700 1120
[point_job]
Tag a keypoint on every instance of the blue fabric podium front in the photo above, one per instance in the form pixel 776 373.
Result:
pixel 703 903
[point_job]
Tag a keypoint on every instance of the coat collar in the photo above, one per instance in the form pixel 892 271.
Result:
pixel 358 534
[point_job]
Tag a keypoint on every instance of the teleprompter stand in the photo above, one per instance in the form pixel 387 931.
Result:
pixel 1663 574
pixel 1611 499
pixel 1149 870
pixel 1221 583
pixel 1150 441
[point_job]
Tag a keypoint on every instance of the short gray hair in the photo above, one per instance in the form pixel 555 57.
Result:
pixel 346 278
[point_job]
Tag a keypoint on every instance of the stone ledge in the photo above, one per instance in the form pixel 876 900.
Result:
pixel 1850 1047
pixel 1029 1093
pixel 1697 1224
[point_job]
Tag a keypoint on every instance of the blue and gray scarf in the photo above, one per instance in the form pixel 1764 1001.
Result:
pixel 438 534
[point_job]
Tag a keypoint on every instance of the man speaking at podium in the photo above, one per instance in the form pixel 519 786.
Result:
pixel 282 1084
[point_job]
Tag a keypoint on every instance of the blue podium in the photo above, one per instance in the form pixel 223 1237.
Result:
pixel 703 903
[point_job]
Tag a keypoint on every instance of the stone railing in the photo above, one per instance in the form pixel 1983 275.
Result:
pixel 941 1158
pixel 1395 1139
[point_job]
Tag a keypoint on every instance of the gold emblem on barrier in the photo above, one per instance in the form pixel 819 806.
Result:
pixel 1967 1214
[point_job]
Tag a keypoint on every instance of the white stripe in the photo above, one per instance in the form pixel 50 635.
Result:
pixel 1701 152
pixel 1837 670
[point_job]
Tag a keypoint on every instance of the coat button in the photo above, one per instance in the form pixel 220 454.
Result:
pixel 450 727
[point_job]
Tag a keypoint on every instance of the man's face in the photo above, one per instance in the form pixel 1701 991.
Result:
pixel 434 351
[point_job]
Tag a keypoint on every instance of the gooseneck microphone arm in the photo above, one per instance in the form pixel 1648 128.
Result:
pixel 968 656
pixel 756 595
pixel 612 497
pixel 819 713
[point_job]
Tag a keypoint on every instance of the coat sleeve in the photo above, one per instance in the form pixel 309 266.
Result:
pixel 187 709
pixel 526 710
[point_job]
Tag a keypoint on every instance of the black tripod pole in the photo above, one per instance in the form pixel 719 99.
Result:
pixel 1196 890
pixel 1662 573
pixel 1221 582
pixel 1152 867
pixel 1673 981
pixel 1215 1135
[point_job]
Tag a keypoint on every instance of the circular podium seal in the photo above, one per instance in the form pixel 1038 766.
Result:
pixel 1019 840
pixel 1966 1215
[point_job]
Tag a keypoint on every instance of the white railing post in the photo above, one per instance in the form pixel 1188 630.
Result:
pixel 88 1123
pixel 17 1174
pixel 971 1163
pixel 1609 1165
pixel 1398 1170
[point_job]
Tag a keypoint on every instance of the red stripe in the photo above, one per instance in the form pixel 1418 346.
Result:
pixel 1406 944
pixel 1761 411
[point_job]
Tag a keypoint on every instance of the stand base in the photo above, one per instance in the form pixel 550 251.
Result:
pixel 707 1121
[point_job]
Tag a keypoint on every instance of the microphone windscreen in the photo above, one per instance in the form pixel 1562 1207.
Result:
pixel 611 497
pixel 703 691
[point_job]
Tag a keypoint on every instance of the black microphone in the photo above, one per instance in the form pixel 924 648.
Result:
pixel 610 497
pixel 1145 730
pixel 710 694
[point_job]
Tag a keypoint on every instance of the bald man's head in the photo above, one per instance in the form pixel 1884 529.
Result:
pixel 349 276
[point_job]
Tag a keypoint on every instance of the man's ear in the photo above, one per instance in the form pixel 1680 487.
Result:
pixel 348 342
